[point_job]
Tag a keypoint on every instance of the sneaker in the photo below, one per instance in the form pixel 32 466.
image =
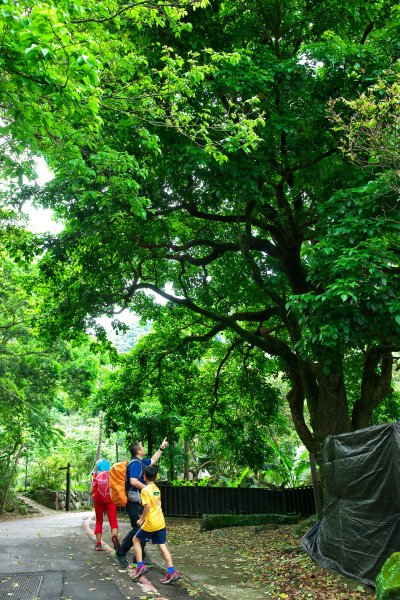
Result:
pixel 121 558
pixel 139 571
pixel 170 577
pixel 98 546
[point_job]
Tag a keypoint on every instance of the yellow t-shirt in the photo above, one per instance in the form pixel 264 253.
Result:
pixel 155 519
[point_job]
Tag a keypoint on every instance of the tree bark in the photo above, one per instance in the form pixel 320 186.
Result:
pixel 150 444
pixel 8 487
pixel 171 470
pixel 100 440
pixel 186 459
pixel 329 415
pixel 326 400
pixel 376 384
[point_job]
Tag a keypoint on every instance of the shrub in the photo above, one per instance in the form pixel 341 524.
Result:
pixel 305 525
pixel 209 522
pixel 388 580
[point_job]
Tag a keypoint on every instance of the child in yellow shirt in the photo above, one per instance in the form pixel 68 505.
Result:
pixel 152 527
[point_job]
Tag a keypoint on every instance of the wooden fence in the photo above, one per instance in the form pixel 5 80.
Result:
pixel 187 501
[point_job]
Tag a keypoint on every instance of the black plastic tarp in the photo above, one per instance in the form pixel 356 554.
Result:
pixel 361 524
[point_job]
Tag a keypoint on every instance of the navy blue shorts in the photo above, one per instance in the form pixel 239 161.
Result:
pixel 156 537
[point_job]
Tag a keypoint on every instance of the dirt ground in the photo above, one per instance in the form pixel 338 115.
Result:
pixel 270 563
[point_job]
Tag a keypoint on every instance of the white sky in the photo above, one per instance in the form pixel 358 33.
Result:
pixel 41 219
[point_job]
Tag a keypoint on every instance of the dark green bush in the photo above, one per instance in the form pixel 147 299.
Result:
pixel 209 522
pixel 388 580
pixel 305 525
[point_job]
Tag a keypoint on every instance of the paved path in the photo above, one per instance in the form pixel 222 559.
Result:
pixel 52 557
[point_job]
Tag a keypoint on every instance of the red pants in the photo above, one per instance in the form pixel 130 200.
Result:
pixel 111 510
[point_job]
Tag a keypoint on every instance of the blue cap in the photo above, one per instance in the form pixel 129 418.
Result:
pixel 102 465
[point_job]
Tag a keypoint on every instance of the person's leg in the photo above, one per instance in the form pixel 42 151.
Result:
pixel 98 529
pixel 172 574
pixel 134 510
pixel 160 538
pixel 99 511
pixel 112 519
pixel 137 548
pixel 141 568
pixel 166 554
pixel 127 542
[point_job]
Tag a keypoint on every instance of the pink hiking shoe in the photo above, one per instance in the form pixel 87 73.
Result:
pixel 170 577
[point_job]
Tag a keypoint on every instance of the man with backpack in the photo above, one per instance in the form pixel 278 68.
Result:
pixel 135 483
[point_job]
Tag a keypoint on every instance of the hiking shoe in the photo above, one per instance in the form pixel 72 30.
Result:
pixel 115 541
pixel 170 577
pixel 98 546
pixel 139 571
pixel 121 558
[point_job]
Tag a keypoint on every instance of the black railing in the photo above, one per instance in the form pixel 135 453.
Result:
pixel 188 501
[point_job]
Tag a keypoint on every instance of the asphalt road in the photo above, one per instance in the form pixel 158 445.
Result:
pixel 53 558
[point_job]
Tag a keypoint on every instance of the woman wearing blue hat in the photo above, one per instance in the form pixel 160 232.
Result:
pixel 102 502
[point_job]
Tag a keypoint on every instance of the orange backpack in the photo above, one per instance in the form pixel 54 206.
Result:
pixel 118 483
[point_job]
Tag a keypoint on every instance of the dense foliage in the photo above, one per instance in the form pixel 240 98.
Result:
pixel 35 376
pixel 196 157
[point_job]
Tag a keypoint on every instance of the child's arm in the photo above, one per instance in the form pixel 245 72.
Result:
pixel 146 510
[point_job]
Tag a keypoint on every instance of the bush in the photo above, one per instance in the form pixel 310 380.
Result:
pixel 209 522
pixel 388 580
pixel 305 525
pixel 47 473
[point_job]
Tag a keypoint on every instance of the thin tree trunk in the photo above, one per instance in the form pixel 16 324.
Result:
pixel 98 451
pixel 150 444
pixel 8 487
pixel 186 459
pixel 171 470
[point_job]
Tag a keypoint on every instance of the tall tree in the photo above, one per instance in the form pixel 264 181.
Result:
pixel 35 376
pixel 229 196
pixel 165 387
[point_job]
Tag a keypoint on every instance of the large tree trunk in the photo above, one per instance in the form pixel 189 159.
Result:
pixel 329 414
pixel 326 400
pixel 376 384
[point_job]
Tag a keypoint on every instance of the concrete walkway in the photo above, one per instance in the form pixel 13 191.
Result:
pixel 52 557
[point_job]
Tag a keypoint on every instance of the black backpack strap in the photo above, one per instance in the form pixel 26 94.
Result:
pixel 128 484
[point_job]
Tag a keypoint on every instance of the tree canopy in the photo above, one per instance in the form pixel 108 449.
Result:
pixel 214 177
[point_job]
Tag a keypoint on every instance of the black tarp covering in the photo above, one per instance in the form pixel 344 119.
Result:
pixel 361 524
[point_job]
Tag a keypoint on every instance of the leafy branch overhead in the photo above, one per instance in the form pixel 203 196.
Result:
pixel 200 163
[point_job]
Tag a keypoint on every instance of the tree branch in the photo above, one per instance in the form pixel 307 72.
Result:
pixel 218 373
